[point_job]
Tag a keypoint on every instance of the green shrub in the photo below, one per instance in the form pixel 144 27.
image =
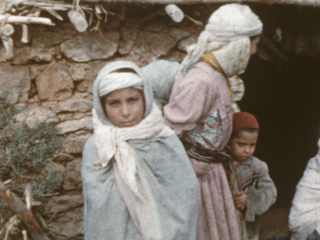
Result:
pixel 7 112
pixel 32 148
pixel 46 185
pixel 27 153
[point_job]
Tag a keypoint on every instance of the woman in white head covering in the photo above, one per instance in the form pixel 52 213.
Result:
pixel 137 180
pixel 200 112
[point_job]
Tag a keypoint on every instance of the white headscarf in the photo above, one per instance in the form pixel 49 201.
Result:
pixel 226 36
pixel 116 81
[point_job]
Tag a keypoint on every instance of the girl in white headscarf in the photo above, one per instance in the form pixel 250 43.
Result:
pixel 200 112
pixel 137 180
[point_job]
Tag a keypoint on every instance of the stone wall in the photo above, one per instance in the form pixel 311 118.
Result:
pixel 52 77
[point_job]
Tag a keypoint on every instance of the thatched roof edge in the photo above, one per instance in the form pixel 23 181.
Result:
pixel 315 3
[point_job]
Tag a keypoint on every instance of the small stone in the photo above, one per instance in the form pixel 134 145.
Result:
pixel 75 125
pixel 185 43
pixel 150 46
pixel 55 167
pixel 59 57
pixel 63 203
pixel 54 83
pixel 3 54
pixel 63 157
pixel 129 37
pixel 78 71
pixel 74 145
pixel 82 86
pixel 75 105
pixel 29 54
pixel 73 180
pixel 178 33
pixel 40 114
pixel 68 224
pixel 35 70
pixel 14 83
pixel 156 25
pixel 49 38
pixel 21 117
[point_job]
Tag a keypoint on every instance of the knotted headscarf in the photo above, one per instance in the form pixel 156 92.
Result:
pixel 227 37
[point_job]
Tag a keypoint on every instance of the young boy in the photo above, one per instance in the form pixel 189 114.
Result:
pixel 253 190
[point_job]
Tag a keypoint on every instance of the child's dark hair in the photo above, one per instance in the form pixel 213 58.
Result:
pixel 249 130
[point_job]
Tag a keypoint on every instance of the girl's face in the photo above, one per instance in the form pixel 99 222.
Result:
pixel 253 46
pixel 124 107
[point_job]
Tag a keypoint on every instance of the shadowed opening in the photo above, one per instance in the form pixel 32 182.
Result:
pixel 285 100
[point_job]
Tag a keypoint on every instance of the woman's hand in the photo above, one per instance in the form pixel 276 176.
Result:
pixel 240 200
pixel 202 169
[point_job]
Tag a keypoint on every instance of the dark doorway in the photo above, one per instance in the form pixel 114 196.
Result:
pixel 285 101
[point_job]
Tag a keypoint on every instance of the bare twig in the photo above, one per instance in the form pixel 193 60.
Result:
pixel 20 209
pixel 193 20
pixel 13 220
pixel 28 194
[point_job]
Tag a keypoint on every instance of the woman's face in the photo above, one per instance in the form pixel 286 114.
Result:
pixel 254 43
pixel 124 107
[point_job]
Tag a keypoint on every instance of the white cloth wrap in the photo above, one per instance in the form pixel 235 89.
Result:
pixel 304 215
pixel 227 34
pixel 116 81
pixel 112 142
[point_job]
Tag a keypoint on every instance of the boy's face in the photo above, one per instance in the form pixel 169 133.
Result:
pixel 124 107
pixel 243 145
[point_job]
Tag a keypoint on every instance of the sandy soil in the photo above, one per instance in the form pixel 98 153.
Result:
pixel 274 223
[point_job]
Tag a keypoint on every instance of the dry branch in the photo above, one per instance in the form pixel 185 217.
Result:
pixel 21 210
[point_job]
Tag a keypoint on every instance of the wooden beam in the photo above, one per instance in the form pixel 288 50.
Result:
pixel 25 20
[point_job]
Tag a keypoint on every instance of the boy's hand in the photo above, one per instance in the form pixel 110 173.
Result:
pixel 240 200
pixel 202 169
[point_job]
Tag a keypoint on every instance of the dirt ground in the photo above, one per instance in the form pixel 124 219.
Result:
pixel 274 223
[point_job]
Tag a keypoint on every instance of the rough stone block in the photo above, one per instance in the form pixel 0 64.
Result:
pixel 36 115
pixel 72 180
pixel 29 54
pixel 14 83
pixel 68 224
pixel 75 125
pixel 87 47
pixel 75 104
pixel 54 83
pixel 74 145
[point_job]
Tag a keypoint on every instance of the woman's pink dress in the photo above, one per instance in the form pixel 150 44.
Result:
pixel 199 111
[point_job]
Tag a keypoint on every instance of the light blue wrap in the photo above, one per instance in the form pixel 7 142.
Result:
pixel 166 168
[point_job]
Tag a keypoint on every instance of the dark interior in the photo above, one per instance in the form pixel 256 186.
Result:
pixel 285 100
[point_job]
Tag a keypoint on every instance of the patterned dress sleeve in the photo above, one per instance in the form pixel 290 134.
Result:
pixel 190 101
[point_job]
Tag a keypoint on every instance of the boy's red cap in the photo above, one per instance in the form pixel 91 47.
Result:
pixel 243 120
